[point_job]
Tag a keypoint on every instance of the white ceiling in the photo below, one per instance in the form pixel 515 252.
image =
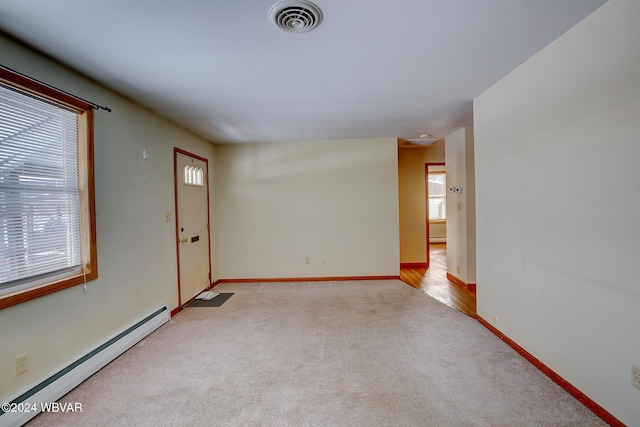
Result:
pixel 372 68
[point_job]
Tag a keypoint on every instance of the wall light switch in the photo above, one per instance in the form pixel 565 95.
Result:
pixel 167 216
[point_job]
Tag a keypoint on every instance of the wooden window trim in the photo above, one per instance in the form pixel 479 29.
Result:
pixel 87 190
pixel 42 91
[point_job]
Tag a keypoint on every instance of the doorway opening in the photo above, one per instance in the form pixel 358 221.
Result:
pixel 435 178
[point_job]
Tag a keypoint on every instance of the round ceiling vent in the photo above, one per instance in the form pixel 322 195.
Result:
pixel 295 16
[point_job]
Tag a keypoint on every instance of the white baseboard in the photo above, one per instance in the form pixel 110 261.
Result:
pixel 52 388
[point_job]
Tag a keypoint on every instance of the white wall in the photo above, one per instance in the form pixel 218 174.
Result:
pixel 557 152
pixel 412 193
pixel 461 221
pixel 136 247
pixel 279 203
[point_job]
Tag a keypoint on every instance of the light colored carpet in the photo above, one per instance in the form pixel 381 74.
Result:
pixel 362 353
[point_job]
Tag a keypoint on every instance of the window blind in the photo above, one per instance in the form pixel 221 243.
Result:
pixel 39 191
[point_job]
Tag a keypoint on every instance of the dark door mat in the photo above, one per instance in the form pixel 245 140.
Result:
pixel 214 302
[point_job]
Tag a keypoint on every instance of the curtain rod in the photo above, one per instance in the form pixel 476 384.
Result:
pixel 91 104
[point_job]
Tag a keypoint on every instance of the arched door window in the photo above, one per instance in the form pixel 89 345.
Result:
pixel 193 176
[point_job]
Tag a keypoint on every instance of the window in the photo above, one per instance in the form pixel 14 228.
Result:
pixel 437 200
pixel 193 175
pixel 47 226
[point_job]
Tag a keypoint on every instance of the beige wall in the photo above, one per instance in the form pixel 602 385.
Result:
pixel 556 157
pixel 461 231
pixel 136 247
pixel 413 224
pixel 279 203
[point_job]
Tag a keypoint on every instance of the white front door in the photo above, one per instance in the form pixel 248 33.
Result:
pixel 192 222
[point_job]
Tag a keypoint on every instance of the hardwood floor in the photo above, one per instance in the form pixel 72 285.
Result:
pixel 434 282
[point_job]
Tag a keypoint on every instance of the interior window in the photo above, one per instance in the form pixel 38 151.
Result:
pixel 437 196
pixel 47 227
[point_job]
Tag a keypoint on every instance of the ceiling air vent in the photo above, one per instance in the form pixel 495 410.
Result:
pixel 295 16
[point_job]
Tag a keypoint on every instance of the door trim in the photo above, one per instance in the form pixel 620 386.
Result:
pixel 177 151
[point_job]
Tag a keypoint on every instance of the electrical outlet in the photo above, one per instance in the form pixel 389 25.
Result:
pixel 167 216
pixel 324 259
pixel 635 376
pixel 495 318
pixel 22 364
pixel 457 269
pixel 307 260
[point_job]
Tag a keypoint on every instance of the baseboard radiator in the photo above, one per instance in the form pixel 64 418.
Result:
pixel 31 401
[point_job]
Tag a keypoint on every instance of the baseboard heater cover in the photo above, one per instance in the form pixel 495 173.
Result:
pixel 65 380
